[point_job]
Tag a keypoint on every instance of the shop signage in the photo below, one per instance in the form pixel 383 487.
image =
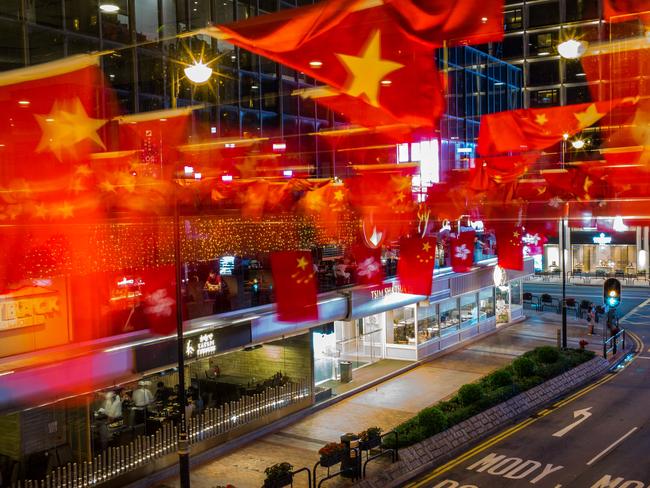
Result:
pixel 382 292
pixel 27 306
pixel 602 239
pixel 200 346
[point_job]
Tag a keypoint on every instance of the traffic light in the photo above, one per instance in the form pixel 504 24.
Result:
pixel 612 292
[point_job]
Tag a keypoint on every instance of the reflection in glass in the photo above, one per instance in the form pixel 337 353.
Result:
pixel 486 303
pixel 428 327
pixel 402 329
pixel 449 315
pixel 468 309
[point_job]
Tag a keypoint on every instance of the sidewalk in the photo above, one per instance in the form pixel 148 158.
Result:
pixel 386 405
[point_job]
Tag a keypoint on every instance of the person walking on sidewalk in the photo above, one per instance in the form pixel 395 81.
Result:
pixel 591 317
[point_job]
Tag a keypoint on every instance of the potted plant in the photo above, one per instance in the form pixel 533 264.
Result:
pixel 330 454
pixel 370 438
pixel 278 475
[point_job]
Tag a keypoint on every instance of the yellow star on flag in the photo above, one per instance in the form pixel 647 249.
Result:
pixel 107 186
pixel 426 247
pixel 83 170
pixel 302 263
pixel 65 126
pixel 541 119
pixel 589 116
pixel 40 211
pixel 338 195
pixel 515 234
pixel 66 210
pixel 367 70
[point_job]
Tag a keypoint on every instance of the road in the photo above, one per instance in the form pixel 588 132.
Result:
pixel 597 438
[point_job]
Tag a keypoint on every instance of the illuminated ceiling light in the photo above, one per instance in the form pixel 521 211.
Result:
pixel 198 73
pixel 287 173
pixel 499 83
pixel 24 103
pixel 581 74
pixel 198 176
pixel 543 53
pixel 315 64
pixel 578 144
pixel 619 225
pixel 254 87
pixel 109 8
pixel 484 19
pixel 565 136
pixel 49 119
pixel 163 120
pixel 188 170
pixel 572 49
pixel 226 177
pixel 386 82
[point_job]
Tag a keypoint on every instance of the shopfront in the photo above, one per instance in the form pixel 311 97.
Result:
pixel 594 253
pixel 603 253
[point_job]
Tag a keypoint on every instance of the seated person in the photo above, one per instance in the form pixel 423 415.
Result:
pixel 162 392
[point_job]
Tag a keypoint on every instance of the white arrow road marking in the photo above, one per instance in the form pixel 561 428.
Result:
pixel 610 447
pixel 583 413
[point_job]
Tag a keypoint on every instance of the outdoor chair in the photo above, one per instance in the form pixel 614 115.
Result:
pixel 530 299
pixel 547 300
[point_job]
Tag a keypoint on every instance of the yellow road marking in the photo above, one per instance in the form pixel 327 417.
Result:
pixel 522 425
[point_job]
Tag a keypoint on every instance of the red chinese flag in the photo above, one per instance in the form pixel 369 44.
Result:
pixel 51 117
pixel 462 252
pixel 417 258
pixel 436 21
pixel 295 286
pixel 539 128
pixel 358 50
pixel 159 299
pixel 369 268
pixel 510 250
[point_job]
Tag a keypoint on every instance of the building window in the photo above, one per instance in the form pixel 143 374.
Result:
pixel 543 14
pixel 543 43
pixel 115 27
pixel 544 98
pixel 573 72
pixel 581 10
pixel 402 329
pixel 44 12
pixel 543 73
pixel 449 315
pixel 11 35
pixel 513 19
pixel 578 94
pixel 468 309
pixel 512 47
pixel 44 45
pixel 486 303
pixel 428 326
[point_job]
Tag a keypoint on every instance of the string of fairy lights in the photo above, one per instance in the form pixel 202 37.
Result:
pixel 119 247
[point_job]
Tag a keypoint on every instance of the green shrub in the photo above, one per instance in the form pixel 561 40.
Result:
pixel 462 413
pixel 500 377
pixel 449 405
pixel 523 367
pixel 470 393
pixel 409 433
pixel 498 395
pixel 527 383
pixel 432 420
pixel 548 371
pixel 547 354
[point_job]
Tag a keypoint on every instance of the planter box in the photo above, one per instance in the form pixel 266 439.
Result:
pixel 331 460
pixel 371 443
pixel 279 482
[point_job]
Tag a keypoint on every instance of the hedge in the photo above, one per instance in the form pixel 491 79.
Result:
pixel 527 371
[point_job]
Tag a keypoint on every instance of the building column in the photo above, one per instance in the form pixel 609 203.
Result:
pixel 560 244
pixel 569 256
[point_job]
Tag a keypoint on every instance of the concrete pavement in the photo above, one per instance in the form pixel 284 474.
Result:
pixel 386 405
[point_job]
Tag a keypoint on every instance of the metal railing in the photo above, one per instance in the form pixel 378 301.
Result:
pixel 116 461
pixel 611 344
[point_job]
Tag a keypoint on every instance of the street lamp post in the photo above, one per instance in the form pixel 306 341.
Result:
pixel 563 251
